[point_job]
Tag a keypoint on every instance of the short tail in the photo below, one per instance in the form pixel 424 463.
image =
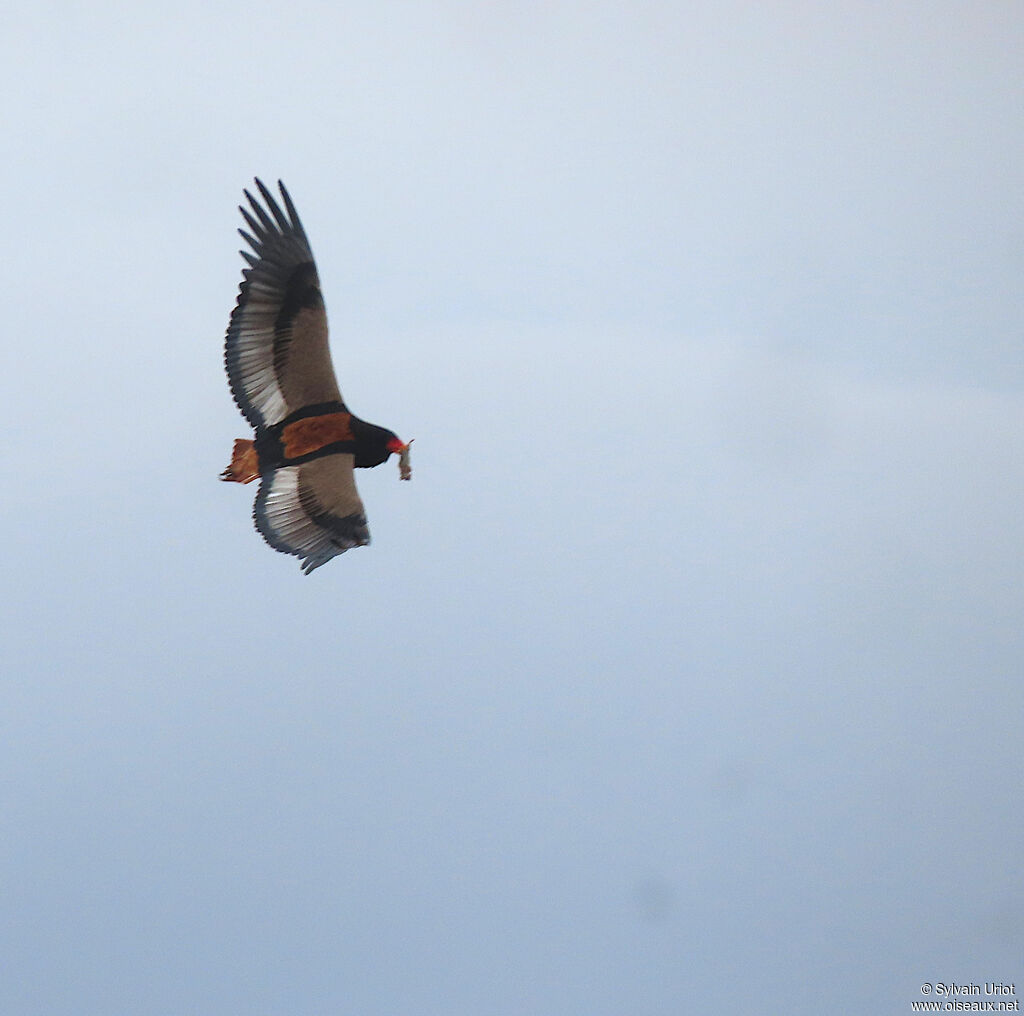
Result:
pixel 245 463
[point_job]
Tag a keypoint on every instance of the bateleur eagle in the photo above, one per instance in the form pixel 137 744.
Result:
pixel 307 443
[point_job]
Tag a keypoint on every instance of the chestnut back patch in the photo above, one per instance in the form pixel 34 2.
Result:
pixel 315 432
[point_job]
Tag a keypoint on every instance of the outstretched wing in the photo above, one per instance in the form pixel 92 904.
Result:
pixel 276 351
pixel 312 511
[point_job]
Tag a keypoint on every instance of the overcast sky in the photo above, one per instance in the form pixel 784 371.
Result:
pixel 685 676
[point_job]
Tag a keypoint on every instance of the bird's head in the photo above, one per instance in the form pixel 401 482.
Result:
pixel 396 446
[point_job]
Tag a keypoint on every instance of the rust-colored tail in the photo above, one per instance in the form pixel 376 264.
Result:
pixel 245 463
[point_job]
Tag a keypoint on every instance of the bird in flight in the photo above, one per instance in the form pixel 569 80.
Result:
pixel 307 443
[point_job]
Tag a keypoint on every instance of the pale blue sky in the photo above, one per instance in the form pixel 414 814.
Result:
pixel 686 674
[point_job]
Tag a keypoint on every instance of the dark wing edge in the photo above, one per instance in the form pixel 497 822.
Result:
pixel 280 282
pixel 294 514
